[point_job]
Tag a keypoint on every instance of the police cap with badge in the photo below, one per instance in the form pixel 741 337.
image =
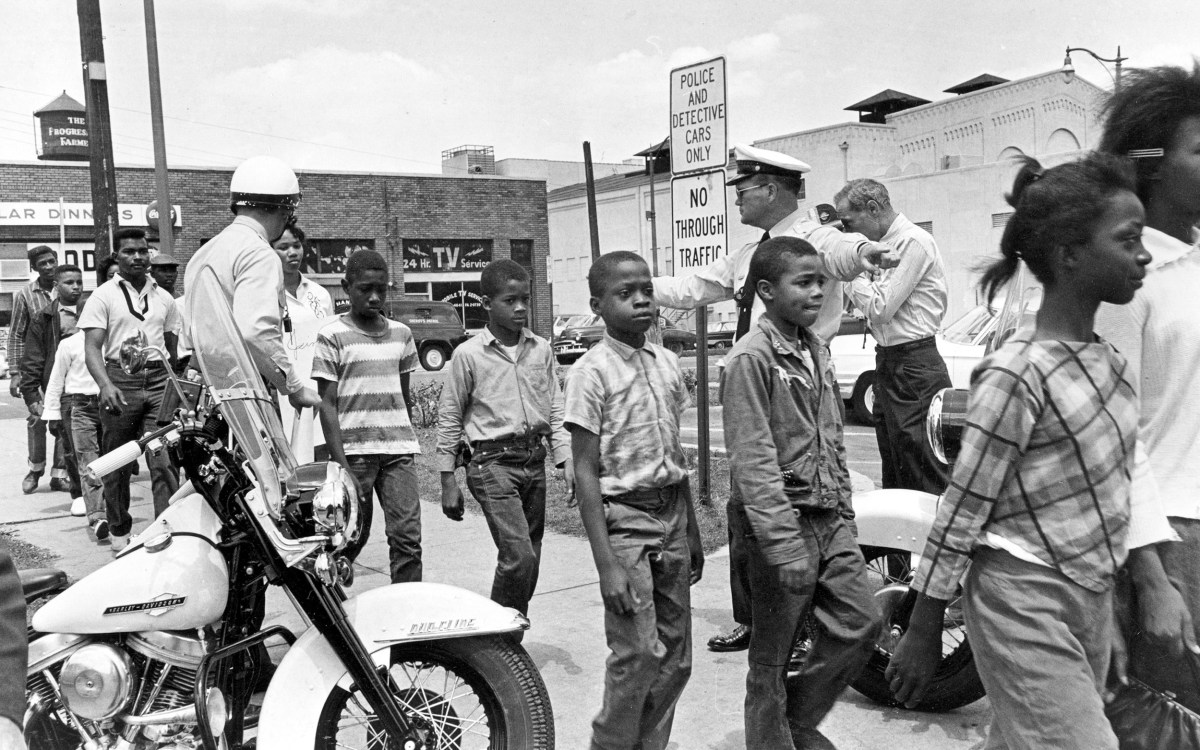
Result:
pixel 752 161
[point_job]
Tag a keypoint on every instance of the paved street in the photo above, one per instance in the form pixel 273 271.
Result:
pixel 567 640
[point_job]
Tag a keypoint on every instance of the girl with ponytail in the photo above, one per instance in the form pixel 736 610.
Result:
pixel 1039 501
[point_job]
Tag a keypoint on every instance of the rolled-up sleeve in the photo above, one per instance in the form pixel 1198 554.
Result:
pixel 754 459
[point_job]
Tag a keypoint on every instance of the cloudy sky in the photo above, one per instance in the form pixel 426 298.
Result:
pixel 388 84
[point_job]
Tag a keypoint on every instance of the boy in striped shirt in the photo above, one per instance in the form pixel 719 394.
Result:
pixel 362 364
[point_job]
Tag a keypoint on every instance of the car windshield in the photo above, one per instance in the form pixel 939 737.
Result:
pixel 967 329
pixel 582 321
pixel 236 386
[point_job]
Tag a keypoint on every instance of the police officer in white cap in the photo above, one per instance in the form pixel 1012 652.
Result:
pixel 264 193
pixel 768 184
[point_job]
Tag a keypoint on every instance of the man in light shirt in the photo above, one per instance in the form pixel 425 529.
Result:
pixel 129 404
pixel 72 409
pixel 904 309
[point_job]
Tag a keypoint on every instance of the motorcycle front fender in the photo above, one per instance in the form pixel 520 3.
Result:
pixel 897 519
pixel 386 616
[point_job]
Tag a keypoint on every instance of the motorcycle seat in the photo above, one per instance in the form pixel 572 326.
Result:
pixel 38 582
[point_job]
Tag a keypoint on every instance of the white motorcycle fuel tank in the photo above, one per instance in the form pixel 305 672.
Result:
pixel 171 577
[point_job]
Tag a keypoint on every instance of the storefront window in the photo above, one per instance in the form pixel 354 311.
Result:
pixel 466 296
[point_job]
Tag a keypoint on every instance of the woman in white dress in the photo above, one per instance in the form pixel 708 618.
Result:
pixel 309 306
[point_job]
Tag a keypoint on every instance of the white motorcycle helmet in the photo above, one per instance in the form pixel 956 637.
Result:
pixel 264 181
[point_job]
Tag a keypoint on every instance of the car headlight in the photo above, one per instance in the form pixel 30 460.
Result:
pixel 335 506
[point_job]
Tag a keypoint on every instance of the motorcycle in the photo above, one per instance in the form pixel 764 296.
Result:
pixel 164 647
pixel 894 524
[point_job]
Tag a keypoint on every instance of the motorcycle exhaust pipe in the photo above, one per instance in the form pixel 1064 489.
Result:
pixel 114 459
pixel 214 706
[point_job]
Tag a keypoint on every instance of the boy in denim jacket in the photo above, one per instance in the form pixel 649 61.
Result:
pixel 791 496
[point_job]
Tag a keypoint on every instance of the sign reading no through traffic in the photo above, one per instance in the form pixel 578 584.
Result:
pixel 698 134
pixel 698 220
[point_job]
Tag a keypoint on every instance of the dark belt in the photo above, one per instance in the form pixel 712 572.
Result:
pixel 154 364
pixel 907 346
pixel 653 499
pixel 527 443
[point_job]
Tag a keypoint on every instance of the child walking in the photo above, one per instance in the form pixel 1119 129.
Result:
pixel 362 364
pixel 503 400
pixel 623 403
pixel 1039 502
pixel 790 500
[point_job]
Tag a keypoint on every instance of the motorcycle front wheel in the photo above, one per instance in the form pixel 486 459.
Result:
pixel 466 694
pixel 956 681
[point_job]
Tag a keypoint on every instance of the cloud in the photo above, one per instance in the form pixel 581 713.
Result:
pixel 755 47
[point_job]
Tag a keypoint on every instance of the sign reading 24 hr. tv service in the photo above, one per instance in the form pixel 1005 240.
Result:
pixel 698 219
pixel 698 133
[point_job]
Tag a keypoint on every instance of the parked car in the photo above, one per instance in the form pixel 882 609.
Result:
pixel 3 363
pixel 962 344
pixel 720 334
pixel 586 332
pixel 563 321
pixel 437 329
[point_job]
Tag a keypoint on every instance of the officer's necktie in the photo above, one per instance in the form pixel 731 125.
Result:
pixel 745 299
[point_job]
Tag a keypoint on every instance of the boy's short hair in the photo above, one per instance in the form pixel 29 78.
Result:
pixel 498 273
pixel 362 261
pixel 67 268
pixel 39 251
pixel 770 260
pixel 605 265
pixel 127 233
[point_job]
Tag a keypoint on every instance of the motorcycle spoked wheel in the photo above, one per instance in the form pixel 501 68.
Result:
pixel 467 693
pixel 955 682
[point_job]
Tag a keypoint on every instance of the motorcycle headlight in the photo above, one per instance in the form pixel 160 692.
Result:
pixel 335 506
pixel 944 423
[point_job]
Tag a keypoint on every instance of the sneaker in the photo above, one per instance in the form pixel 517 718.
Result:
pixel 100 529
pixel 78 506
pixel 119 542
pixel 58 484
pixel 30 482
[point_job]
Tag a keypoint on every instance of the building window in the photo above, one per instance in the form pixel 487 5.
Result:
pixel 521 251
pixel 1001 220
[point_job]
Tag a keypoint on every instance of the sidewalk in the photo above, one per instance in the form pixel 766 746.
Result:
pixel 567 638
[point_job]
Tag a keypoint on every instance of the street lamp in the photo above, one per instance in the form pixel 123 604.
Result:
pixel 1068 70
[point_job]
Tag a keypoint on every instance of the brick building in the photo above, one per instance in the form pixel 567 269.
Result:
pixel 436 231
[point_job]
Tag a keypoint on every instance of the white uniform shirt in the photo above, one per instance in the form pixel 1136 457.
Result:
pixel 1157 334
pixel 68 376
pixel 250 274
pixel 122 310
pixel 907 302
pixel 719 281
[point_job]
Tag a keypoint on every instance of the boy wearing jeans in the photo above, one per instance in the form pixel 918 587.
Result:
pixel 791 496
pixel 503 400
pixel 362 364
pixel 623 403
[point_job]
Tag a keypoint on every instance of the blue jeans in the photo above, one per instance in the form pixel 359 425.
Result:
pixel 143 397
pixel 394 480
pixel 84 423
pixel 35 437
pixel 510 486
pixel 651 649
pixel 837 588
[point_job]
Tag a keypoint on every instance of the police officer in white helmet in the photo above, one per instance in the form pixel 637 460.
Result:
pixel 264 193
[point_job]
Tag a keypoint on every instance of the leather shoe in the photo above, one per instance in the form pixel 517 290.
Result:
pixel 30 482
pixel 737 639
pixel 59 485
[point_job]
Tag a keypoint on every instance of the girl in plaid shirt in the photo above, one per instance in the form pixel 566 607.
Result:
pixel 1039 501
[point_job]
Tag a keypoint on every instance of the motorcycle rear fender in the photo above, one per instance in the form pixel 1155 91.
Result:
pixel 386 616
pixel 897 519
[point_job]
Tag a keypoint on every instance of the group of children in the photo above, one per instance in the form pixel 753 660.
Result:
pixel 1039 503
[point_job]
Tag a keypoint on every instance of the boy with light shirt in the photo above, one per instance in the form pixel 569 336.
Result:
pixel 623 404
pixel 362 364
pixel 791 491
pixel 503 400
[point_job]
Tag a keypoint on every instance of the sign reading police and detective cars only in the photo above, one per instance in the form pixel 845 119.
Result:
pixel 698 133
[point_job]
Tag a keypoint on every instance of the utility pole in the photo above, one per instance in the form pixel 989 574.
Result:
pixel 100 150
pixel 166 228
pixel 593 224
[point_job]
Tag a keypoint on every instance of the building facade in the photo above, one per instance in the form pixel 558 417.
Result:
pixel 436 231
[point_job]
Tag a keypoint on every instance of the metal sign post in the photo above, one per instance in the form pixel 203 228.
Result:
pixel 699 150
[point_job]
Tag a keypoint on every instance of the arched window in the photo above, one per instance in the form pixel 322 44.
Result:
pixel 1061 141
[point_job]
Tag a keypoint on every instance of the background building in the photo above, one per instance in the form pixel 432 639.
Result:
pixel 437 232
pixel 946 163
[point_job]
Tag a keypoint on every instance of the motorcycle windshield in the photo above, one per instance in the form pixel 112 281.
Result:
pixel 237 387
pixel 1022 300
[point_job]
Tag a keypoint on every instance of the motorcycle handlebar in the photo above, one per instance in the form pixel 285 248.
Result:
pixel 115 459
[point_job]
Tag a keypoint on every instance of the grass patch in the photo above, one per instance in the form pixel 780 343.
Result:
pixel 565 519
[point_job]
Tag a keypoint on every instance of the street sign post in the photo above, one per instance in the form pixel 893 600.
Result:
pixel 699 150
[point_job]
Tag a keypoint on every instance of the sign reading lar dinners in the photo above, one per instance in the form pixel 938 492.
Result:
pixel 698 140
pixel 698 219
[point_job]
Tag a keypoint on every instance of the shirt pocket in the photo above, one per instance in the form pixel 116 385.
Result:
pixel 798 474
